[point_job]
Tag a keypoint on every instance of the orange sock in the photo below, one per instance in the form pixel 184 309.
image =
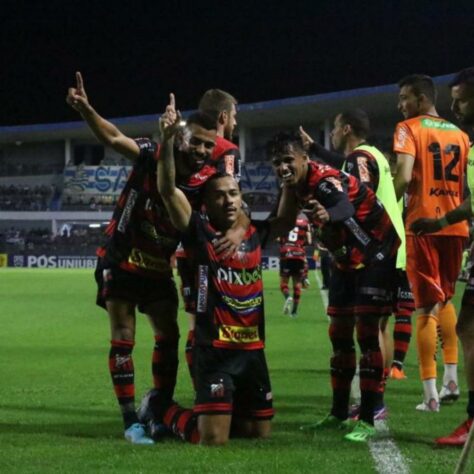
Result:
pixel 426 336
pixel 447 324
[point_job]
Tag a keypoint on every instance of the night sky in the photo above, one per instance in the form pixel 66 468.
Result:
pixel 132 53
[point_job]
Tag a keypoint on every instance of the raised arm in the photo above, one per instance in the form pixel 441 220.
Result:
pixel 106 132
pixel 334 159
pixel 175 200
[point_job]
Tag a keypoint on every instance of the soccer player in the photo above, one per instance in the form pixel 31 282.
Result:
pixel 431 159
pixel 369 166
pixel 293 262
pixel 462 93
pixel 225 156
pixel 231 376
pixel 357 230
pixel 133 268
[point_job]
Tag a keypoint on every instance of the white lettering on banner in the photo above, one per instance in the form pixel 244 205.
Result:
pixel 57 261
pixel 95 179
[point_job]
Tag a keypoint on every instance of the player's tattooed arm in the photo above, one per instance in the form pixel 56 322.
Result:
pixel 106 132
pixel 175 200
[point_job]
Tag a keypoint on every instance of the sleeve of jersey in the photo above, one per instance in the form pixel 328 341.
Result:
pixel 364 168
pixel 403 140
pixel 189 235
pixel 335 201
pixel 149 149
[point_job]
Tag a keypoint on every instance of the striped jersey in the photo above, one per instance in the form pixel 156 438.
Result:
pixel 229 301
pixel 360 231
pixel 140 236
pixel 292 247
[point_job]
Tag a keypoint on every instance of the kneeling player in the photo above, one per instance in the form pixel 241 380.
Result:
pixel 232 382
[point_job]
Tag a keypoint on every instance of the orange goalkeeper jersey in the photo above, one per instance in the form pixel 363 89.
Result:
pixel 440 150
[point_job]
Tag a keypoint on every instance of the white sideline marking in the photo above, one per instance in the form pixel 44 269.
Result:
pixel 385 453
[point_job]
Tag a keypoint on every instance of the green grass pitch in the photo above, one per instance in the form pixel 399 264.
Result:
pixel 58 412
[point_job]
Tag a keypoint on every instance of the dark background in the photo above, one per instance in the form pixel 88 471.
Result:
pixel 132 53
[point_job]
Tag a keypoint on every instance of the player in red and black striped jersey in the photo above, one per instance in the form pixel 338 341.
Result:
pixel 225 157
pixel 357 230
pixel 293 263
pixel 232 382
pixel 133 269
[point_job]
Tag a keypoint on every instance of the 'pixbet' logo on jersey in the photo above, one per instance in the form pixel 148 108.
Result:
pixel 239 277
pixel 238 334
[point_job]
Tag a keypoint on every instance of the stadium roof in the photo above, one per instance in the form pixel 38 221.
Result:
pixel 379 101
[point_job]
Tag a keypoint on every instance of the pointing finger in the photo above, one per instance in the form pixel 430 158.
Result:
pixel 172 101
pixel 79 81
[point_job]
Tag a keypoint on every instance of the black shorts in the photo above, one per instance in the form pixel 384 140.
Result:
pixel 364 292
pixel 292 268
pixel 403 302
pixel 115 283
pixel 231 381
pixel 468 296
pixel 188 287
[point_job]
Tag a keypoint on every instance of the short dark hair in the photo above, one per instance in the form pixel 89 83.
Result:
pixel 466 76
pixel 281 141
pixel 214 177
pixel 421 84
pixel 215 101
pixel 358 120
pixel 202 119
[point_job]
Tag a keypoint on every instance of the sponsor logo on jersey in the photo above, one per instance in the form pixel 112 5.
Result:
pixel 127 211
pixel 404 295
pixel 443 192
pixel 144 260
pixel 242 306
pixel 203 283
pixel 239 277
pixel 238 334
pixel 401 137
pixel 440 125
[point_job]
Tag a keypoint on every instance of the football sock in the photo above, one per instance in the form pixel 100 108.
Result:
pixel 429 390
pixel 182 422
pixel 296 295
pixel 370 367
pixel 426 337
pixel 343 366
pixel 284 289
pixel 450 374
pixel 123 378
pixel 189 354
pixel 165 367
pixel 401 338
pixel 447 324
